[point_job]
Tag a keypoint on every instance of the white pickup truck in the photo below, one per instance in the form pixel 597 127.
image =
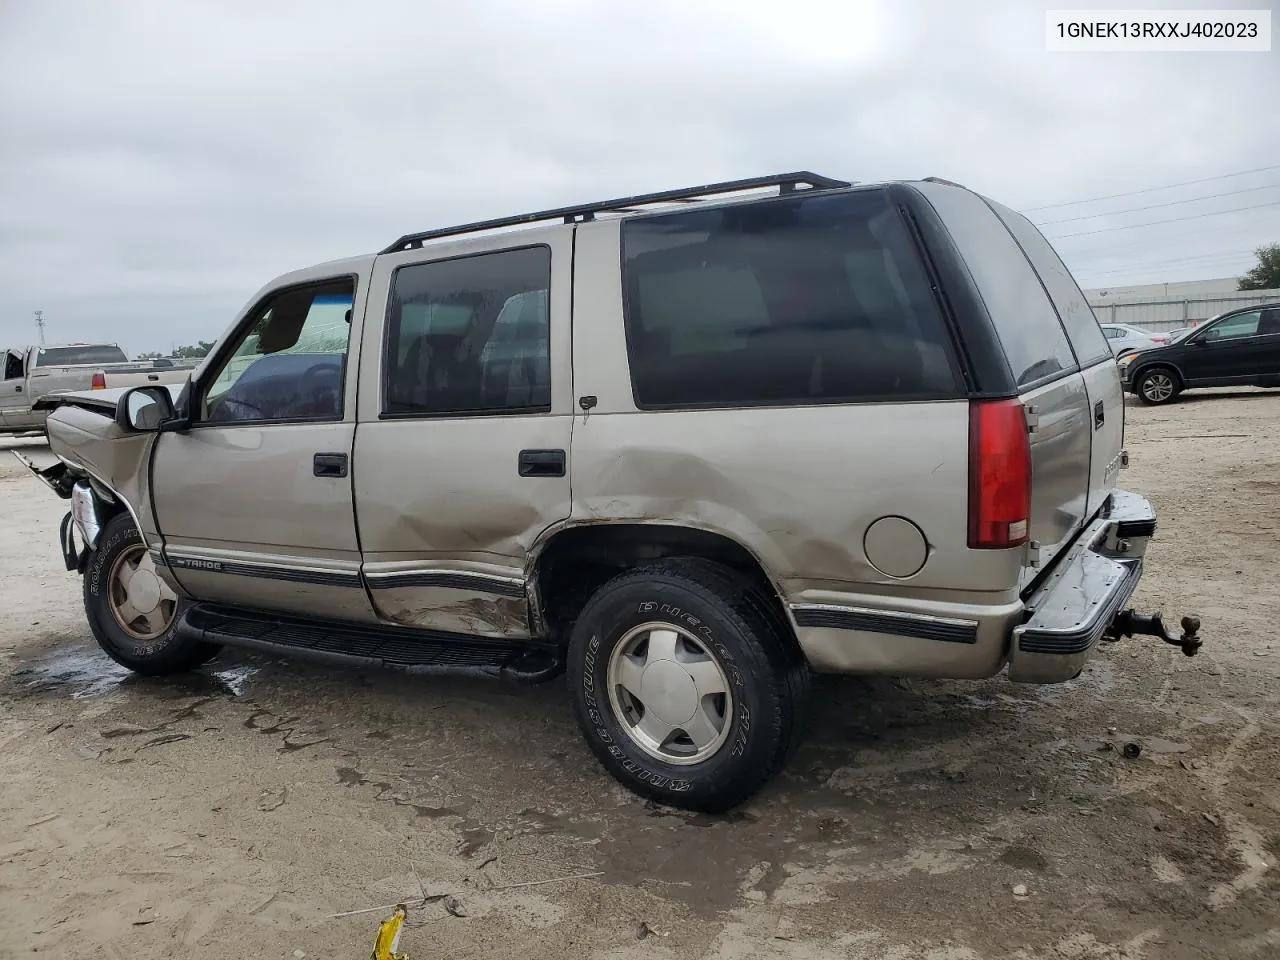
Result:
pixel 33 372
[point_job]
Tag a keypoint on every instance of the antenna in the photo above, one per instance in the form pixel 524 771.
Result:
pixel 40 325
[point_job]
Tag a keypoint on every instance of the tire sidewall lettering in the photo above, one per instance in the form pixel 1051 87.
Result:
pixel 594 661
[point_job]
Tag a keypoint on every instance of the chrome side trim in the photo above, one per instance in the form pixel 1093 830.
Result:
pixel 268 571
pixel 920 625
pixel 448 579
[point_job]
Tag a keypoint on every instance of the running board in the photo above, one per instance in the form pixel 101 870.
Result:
pixel 415 651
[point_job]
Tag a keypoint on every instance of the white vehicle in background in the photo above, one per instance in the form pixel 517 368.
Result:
pixel 1126 339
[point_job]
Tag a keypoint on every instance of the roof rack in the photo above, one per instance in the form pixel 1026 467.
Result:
pixel 785 182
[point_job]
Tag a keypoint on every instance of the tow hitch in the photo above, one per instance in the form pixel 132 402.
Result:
pixel 1130 623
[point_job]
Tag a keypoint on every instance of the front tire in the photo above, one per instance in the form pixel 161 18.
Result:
pixel 132 612
pixel 1157 385
pixel 685 685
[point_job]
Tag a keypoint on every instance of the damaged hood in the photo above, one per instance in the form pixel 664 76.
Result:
pixel 98 400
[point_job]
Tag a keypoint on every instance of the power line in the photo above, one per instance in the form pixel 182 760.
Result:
pixel 1153 223
pixel 1134 193
pixel 1167 203
pixel 1141 269
pixel 1215 260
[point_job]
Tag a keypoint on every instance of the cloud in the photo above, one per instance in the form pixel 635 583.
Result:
pixel 160 161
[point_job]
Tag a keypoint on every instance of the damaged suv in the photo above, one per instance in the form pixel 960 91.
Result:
pixel 688 447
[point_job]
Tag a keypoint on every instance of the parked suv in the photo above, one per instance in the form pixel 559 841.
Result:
pixel 689 446
pixel 1239 348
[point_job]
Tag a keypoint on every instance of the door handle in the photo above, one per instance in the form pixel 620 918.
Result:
pixel 1099 415
pixel 329 465
pixel 18 388
pixel 542 463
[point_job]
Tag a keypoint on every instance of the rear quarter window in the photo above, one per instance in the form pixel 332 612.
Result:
pixel 1077 316
pixel 795 300
pixel 1025 319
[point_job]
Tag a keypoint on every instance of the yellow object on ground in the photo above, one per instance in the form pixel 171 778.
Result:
pixel 388 942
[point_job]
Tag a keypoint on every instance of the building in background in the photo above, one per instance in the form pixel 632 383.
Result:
pixel 1161 307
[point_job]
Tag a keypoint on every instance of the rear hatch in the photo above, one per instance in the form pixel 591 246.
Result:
pixel 1060 362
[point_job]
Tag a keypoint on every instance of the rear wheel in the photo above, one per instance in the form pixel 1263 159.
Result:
pixel 1157 385
pixel 132 612
pixel 685 686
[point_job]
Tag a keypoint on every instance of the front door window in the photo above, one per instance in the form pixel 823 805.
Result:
pixel 290 363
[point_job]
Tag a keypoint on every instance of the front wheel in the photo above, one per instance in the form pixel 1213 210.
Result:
pixel 132 612
pixel 685 685
pixel 1158 385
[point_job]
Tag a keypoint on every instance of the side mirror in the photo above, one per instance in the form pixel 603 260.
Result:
pixel 144 409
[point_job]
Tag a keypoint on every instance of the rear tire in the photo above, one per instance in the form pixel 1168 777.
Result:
pixel 1157 385
pixel 685 686
pixel 136 623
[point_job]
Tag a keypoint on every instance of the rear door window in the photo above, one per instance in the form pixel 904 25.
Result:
pixel 1034 342
pixel 1073 309
pixel 786 301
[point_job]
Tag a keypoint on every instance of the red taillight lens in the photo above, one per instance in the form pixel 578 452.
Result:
pixel 1159 339
pixel 99 381
pixel 999 475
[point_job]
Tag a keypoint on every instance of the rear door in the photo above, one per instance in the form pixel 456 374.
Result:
pixel 1101 376
pixel 462 454
pixel 1043 365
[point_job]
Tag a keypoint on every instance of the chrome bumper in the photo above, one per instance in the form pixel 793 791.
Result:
pixel 1078 602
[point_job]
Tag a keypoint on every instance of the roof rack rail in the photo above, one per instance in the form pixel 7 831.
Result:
pixel 785 182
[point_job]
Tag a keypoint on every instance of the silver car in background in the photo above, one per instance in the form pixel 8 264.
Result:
pixel 1126 339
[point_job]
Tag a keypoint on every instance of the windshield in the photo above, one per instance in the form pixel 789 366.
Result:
pixel 72 356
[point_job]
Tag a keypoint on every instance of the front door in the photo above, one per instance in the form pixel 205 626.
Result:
pixel 253 501
pixel 1229 351
pixel 463 447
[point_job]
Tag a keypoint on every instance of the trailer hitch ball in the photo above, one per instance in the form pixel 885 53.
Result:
pixel 1130 623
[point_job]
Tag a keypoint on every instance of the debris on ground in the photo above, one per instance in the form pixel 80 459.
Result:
pixel 269 799
pixel 643 930
pixel 388 940
pixel 1132 750
pixel 455 907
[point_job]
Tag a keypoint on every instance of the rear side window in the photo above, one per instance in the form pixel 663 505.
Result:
pixel 470 335
pixel 1073 309
pixel 1033 339
pixel 790 301
pixel 73 356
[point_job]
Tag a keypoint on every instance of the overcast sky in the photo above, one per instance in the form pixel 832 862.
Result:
pixel 161 160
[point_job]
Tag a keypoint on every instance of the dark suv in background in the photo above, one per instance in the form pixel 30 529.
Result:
pixel 1236 349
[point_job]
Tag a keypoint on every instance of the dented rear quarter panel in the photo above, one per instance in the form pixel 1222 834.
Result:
pixel 796 486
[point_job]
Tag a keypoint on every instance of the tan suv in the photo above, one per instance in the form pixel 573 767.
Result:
pixel 688 446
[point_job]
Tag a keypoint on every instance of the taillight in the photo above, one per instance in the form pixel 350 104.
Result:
pixel 999 475
pixel 99 381
pixel 1159 339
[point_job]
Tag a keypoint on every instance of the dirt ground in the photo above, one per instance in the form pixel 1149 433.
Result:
pixel 231 813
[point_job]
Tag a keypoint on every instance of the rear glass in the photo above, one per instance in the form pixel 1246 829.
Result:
pixel 790 301
pixel 1073 309
pixel 71 356
pixel 1026 321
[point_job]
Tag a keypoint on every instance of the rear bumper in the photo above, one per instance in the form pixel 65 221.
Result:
pixel 1074 607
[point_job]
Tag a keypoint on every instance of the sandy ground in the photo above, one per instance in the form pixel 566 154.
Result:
pixel 232 812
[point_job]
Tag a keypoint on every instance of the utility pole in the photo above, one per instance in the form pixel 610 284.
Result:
pixel 40 325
